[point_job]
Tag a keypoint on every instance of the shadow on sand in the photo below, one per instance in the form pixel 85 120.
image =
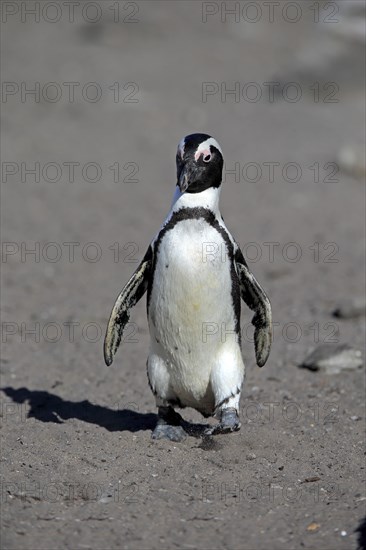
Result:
pixel 361 530
pixel 48 407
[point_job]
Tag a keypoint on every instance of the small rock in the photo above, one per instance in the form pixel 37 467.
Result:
pixel 348 309
pixel 251 456
pixel 310 479
pixel 351 159
pixel 333 358
pixel 313 526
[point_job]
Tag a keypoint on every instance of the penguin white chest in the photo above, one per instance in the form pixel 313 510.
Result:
pixel 192 292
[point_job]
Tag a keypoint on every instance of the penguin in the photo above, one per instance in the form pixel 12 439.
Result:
pixel 195 275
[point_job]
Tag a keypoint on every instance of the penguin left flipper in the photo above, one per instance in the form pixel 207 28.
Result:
pixel 256 299
pixel 128 297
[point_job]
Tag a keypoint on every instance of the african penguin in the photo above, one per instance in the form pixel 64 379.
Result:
pixel 194 274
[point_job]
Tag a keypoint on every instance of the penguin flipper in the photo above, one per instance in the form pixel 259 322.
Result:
pixel 256 299
pixel 128 297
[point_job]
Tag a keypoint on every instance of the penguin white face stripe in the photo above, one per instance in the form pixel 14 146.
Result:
pixel 204 147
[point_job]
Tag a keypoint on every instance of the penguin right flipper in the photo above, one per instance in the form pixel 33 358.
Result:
pixel 128 297
pixel 256 299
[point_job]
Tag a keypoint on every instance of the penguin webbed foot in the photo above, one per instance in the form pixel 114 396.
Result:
pixel 229 422
pixel 169 425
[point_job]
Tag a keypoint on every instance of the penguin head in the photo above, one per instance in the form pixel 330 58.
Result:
pixel 199 163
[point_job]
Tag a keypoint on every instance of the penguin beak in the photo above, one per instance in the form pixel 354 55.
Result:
pixel 183 181
pixel 188 175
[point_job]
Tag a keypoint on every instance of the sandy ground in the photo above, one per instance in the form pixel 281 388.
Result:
pixel 79 468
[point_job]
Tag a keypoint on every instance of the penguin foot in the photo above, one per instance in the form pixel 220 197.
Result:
pixel 168 426
pixel 173 433
pixel 229 422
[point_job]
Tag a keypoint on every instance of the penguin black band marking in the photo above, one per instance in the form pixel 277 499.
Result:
pixel 226 399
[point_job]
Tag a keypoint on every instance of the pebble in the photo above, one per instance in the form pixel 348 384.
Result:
pixel 251 456
pixel 333 358
pixel 351 160
pixel 348 309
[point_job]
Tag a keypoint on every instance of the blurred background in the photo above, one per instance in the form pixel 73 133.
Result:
pixel 95 98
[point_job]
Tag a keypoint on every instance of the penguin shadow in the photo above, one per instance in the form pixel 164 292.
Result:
pixel 361 539
pixel 198 431
pixel 48 407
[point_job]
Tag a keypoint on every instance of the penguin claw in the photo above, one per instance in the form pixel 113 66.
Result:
pixel 222 429
pixel 229 423
pixel 166 431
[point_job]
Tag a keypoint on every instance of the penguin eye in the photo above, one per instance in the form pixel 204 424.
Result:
pixel 207 158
